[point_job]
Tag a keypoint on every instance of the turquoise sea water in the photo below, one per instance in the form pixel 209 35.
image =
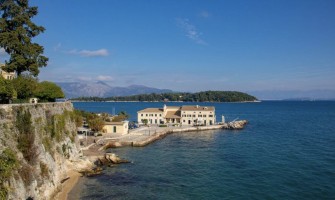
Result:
pixel 287 151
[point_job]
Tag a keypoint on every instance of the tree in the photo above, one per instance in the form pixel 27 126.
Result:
pixel 48 91
pixel 144 121
pixel 95 122
pixel 25 86
pixel 7 91
pixel 16 33
pixel 121 117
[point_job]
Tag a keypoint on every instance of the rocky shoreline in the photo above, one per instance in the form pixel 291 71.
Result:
pixel 96 158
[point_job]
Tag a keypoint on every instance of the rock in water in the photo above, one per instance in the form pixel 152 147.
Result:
pixel 115 159
pixel 235 125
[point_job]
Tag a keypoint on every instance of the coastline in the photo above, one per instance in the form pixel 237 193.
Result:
pixel 68 185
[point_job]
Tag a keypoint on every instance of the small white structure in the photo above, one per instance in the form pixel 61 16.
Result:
pixel 33 100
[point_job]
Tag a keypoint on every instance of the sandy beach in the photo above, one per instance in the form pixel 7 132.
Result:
pixel 68 185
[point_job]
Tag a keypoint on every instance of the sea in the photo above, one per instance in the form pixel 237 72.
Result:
pixel 286 151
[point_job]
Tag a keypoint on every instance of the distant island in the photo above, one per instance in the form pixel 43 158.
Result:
pixel 206 96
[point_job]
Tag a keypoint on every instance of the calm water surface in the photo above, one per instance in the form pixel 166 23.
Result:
pixel 287 151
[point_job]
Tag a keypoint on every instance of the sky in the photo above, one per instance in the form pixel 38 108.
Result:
pixel 190 45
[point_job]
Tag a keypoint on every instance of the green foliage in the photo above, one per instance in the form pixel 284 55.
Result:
pixel 48 91
pixel 95 122
pixel 207 96
pixel 6 90
pixel 26 137
pixel 145 121
pixel 122 116
pixel 58 127
pixel 16 33
pixel 8 164
pixel 25 86
pixel 78 118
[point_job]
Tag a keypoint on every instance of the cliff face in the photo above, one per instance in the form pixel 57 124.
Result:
pixel 38 143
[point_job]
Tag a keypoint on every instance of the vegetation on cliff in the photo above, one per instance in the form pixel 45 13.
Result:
pixel 207 96
pixel 33 139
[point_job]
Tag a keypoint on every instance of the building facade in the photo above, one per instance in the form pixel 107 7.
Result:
pixel 116 127
pixel 185 115
pixel 6 75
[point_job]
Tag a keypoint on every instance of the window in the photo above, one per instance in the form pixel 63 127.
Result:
pixel 199 115
pixel 193 116
pixel 189 115
pixel 155 115
pixel 205 115
pixel 184 120
pixel 210 115
pixel 114 129
pixel 160 115
pixel 146 115
pixel 141 115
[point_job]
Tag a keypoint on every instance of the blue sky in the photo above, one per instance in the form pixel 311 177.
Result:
pixel 191 45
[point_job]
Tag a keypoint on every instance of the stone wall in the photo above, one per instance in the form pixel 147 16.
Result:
pixel 42 138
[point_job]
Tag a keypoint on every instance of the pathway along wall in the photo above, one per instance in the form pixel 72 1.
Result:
pixel 37 144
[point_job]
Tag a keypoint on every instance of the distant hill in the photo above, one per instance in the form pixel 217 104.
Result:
pixel 206 96
pixel 102 89
pixel 294 94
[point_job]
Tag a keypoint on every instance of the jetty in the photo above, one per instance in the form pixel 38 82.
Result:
pixel 145 135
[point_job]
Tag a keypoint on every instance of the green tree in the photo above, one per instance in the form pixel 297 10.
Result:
pixel 25 86
pixel 95 122
pixel 48 91
pixel 121 117
pixel 16 33
pixel 7 91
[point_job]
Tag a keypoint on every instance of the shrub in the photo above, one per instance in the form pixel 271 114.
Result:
pixel 8 164
pixel 26 136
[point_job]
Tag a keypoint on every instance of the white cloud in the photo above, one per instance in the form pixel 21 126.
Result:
pixel 89 53
pixel 57 47
pixel 105 78
pixel 191 31
pixel 205 14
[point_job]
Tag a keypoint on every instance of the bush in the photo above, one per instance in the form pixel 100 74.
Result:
pixel 26 137
pixel 8 164
pixel 48 91
pixel 162 125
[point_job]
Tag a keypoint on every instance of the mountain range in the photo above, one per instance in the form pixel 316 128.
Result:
pixel 102 89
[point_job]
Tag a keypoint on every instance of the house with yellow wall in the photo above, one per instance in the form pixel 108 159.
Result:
pixel 116 127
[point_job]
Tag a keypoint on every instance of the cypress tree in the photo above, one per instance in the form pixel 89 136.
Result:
pixel 16 34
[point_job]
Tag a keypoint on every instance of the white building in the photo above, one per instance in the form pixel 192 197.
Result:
pixel 185 115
